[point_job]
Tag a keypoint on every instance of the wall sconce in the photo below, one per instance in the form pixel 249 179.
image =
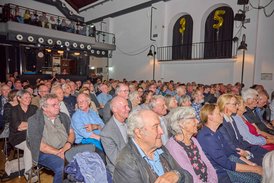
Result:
pixel 243 46
pixel 152 53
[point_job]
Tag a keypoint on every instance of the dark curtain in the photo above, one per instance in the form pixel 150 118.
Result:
pixel 30 59
pixel 218 44
pixel 182 45
pixel 3 63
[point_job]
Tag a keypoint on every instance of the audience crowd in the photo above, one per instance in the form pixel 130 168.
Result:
pixel 146 131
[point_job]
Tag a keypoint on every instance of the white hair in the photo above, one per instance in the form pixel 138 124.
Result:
pixel 133 95
pixel 135 120
pixel 154 100
pixel 268 167
pixel 178 116
pixel 249 94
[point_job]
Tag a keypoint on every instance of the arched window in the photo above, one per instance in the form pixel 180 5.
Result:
pixel 219 33
pixel 182 38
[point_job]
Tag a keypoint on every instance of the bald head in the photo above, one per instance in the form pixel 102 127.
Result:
pixel 119 107
pixel 5 89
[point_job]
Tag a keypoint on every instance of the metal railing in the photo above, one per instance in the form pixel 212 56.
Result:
pixel 24 15
pixel 196 51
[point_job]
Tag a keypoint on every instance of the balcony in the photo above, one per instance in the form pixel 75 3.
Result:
pixel 48 30
pixel 198 51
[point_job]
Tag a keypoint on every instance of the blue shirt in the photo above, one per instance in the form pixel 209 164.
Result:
pixel 247 136
pixel 217 150
pixel 197 108
pixel 80 119
pixel 103 98
pixel 155 164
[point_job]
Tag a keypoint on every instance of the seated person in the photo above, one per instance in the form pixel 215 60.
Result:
pixel 63 26
pixel 268 167
pixel 228 106
pixel 34 19
pixel 86 123
pixel 103 97
pixel 144 159
pixel 43 19
pixel 114 135
pixel 19 126
pixel 249 131
pixel 229 164
pixel 27 17
pixel 12 101
pixel 250 97
pixel 69 100
pixel 52 23
pixel 49 140
pixel 18 17
pixel 185 148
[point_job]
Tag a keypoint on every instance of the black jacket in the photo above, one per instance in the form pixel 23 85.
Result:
pixel 131 167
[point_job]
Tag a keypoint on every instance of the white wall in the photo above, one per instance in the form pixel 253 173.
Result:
pixel 132 39
pixel 264 48
pixel 132 33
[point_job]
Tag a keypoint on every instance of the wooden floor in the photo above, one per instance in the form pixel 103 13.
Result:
pixel 46 177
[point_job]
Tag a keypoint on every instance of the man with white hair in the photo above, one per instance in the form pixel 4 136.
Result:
pixel 144 159
pixel 57 90
pixel 5 89
pixel 49 136
pixel 250 98
pixel 86 123
pixel 158 105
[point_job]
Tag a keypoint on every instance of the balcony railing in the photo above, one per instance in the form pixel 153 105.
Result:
pixel 195 51
pixel 24 15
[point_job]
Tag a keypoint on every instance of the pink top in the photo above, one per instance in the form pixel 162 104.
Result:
pixel 180 155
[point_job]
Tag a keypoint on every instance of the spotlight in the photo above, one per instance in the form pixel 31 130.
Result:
pixel 239 17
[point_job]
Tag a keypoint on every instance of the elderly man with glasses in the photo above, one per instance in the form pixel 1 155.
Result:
pixel 250 97
pixel 49 136
pixel 144 159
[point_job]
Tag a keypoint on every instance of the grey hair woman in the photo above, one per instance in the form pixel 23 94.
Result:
pixel 185 149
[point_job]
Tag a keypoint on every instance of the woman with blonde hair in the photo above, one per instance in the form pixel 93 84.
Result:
pixel 228 106
pixel 229 165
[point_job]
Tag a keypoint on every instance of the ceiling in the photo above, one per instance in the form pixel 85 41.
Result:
pixel 78 4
